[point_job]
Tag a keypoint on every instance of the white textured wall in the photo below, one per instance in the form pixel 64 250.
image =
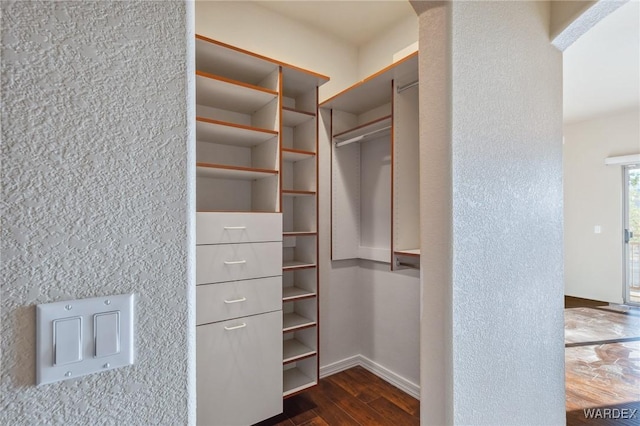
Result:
pixel 593 196
pixel 390 326
pixel 491 128
pixel 94 188
pixel 507 215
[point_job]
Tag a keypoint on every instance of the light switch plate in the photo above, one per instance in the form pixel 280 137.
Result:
pixel 50 314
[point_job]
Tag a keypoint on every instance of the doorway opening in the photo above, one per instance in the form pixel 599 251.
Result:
pixel 632 234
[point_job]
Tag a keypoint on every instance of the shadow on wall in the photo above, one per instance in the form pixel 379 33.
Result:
pixel 22 354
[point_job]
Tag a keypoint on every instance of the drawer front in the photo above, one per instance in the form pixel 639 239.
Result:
pixel 239 365
pixel 234 262
pixel 219 302
pixel 222 228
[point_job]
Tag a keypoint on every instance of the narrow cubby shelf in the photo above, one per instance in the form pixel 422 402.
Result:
pixel 220 92
pixel 293 321
pixel 294 155
pixel 408 252
pixel 225 133
pixel 292 117
pixel 296 193
pixel 290 265
pixel 223 171
pixel 298 233
pixel 293 350
pixel 295 381
pixel 378 127
pixel 290 294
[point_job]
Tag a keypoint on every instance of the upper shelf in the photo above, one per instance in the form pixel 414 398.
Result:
pixel 293 117
pixel 222 59
pixel 293 155
pixel 375 90
pixel 225 133
pixel 223 171
pixel 225 60
pixel 223 93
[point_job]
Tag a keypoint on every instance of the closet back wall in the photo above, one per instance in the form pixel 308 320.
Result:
pixel 365 310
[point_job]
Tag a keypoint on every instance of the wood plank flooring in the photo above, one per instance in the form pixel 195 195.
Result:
pixel 351 397
pixel 602 365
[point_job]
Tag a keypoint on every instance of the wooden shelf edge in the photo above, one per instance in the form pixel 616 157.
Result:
pixel 235 82
pixel 264 58
pixel 238 168
pixel 299 111
pixel 299 151
pixel 377 120
pixel 299 358
pixel 406 253
pixel 299 234
pixel 371 77
pixel 239 126
pixel 296 192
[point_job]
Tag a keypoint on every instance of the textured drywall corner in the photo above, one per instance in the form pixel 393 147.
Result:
pixel 94 194
pixel 507 215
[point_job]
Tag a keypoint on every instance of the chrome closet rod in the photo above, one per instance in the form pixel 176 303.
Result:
pixel 408 86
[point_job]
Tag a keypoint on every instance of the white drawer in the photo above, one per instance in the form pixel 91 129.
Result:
pixel 239 365
pixel 234 262
pixel 221 228
pixel 219 302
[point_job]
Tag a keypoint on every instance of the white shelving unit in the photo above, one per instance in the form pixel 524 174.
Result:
pixel 299 181
pixel 373 129
pixel 256 152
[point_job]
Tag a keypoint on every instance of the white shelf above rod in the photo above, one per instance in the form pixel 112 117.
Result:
pixel 360 138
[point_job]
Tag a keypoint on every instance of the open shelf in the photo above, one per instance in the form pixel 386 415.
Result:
pixel 225 133
pixel 294 155
pixel 293 321
pixel 290 294
pixel 294 350
pixel 296 193
pixel 222 171
pixel 408 252
pixel 222 59
pixel 298 233
pixel 295 380
pixel 293 117
pixel 220 92
pixel 376 128
pixel 289 265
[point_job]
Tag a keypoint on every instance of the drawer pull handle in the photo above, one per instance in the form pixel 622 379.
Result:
pixel 235 327
pixel 235 262
pixel 242 299
pixel 235 228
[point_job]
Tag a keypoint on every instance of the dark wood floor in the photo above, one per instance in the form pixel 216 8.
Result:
pixel 602 368
pixel 602 365
pixel 351 397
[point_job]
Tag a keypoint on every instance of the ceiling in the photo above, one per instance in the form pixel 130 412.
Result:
pixel 602 68
pixel 355 22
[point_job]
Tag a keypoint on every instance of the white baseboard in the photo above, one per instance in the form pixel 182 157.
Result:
pixel 375 368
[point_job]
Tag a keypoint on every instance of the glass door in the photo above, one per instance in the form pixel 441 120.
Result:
pixel 632 234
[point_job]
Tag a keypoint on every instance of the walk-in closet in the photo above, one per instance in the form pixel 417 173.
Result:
pixel 307 221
